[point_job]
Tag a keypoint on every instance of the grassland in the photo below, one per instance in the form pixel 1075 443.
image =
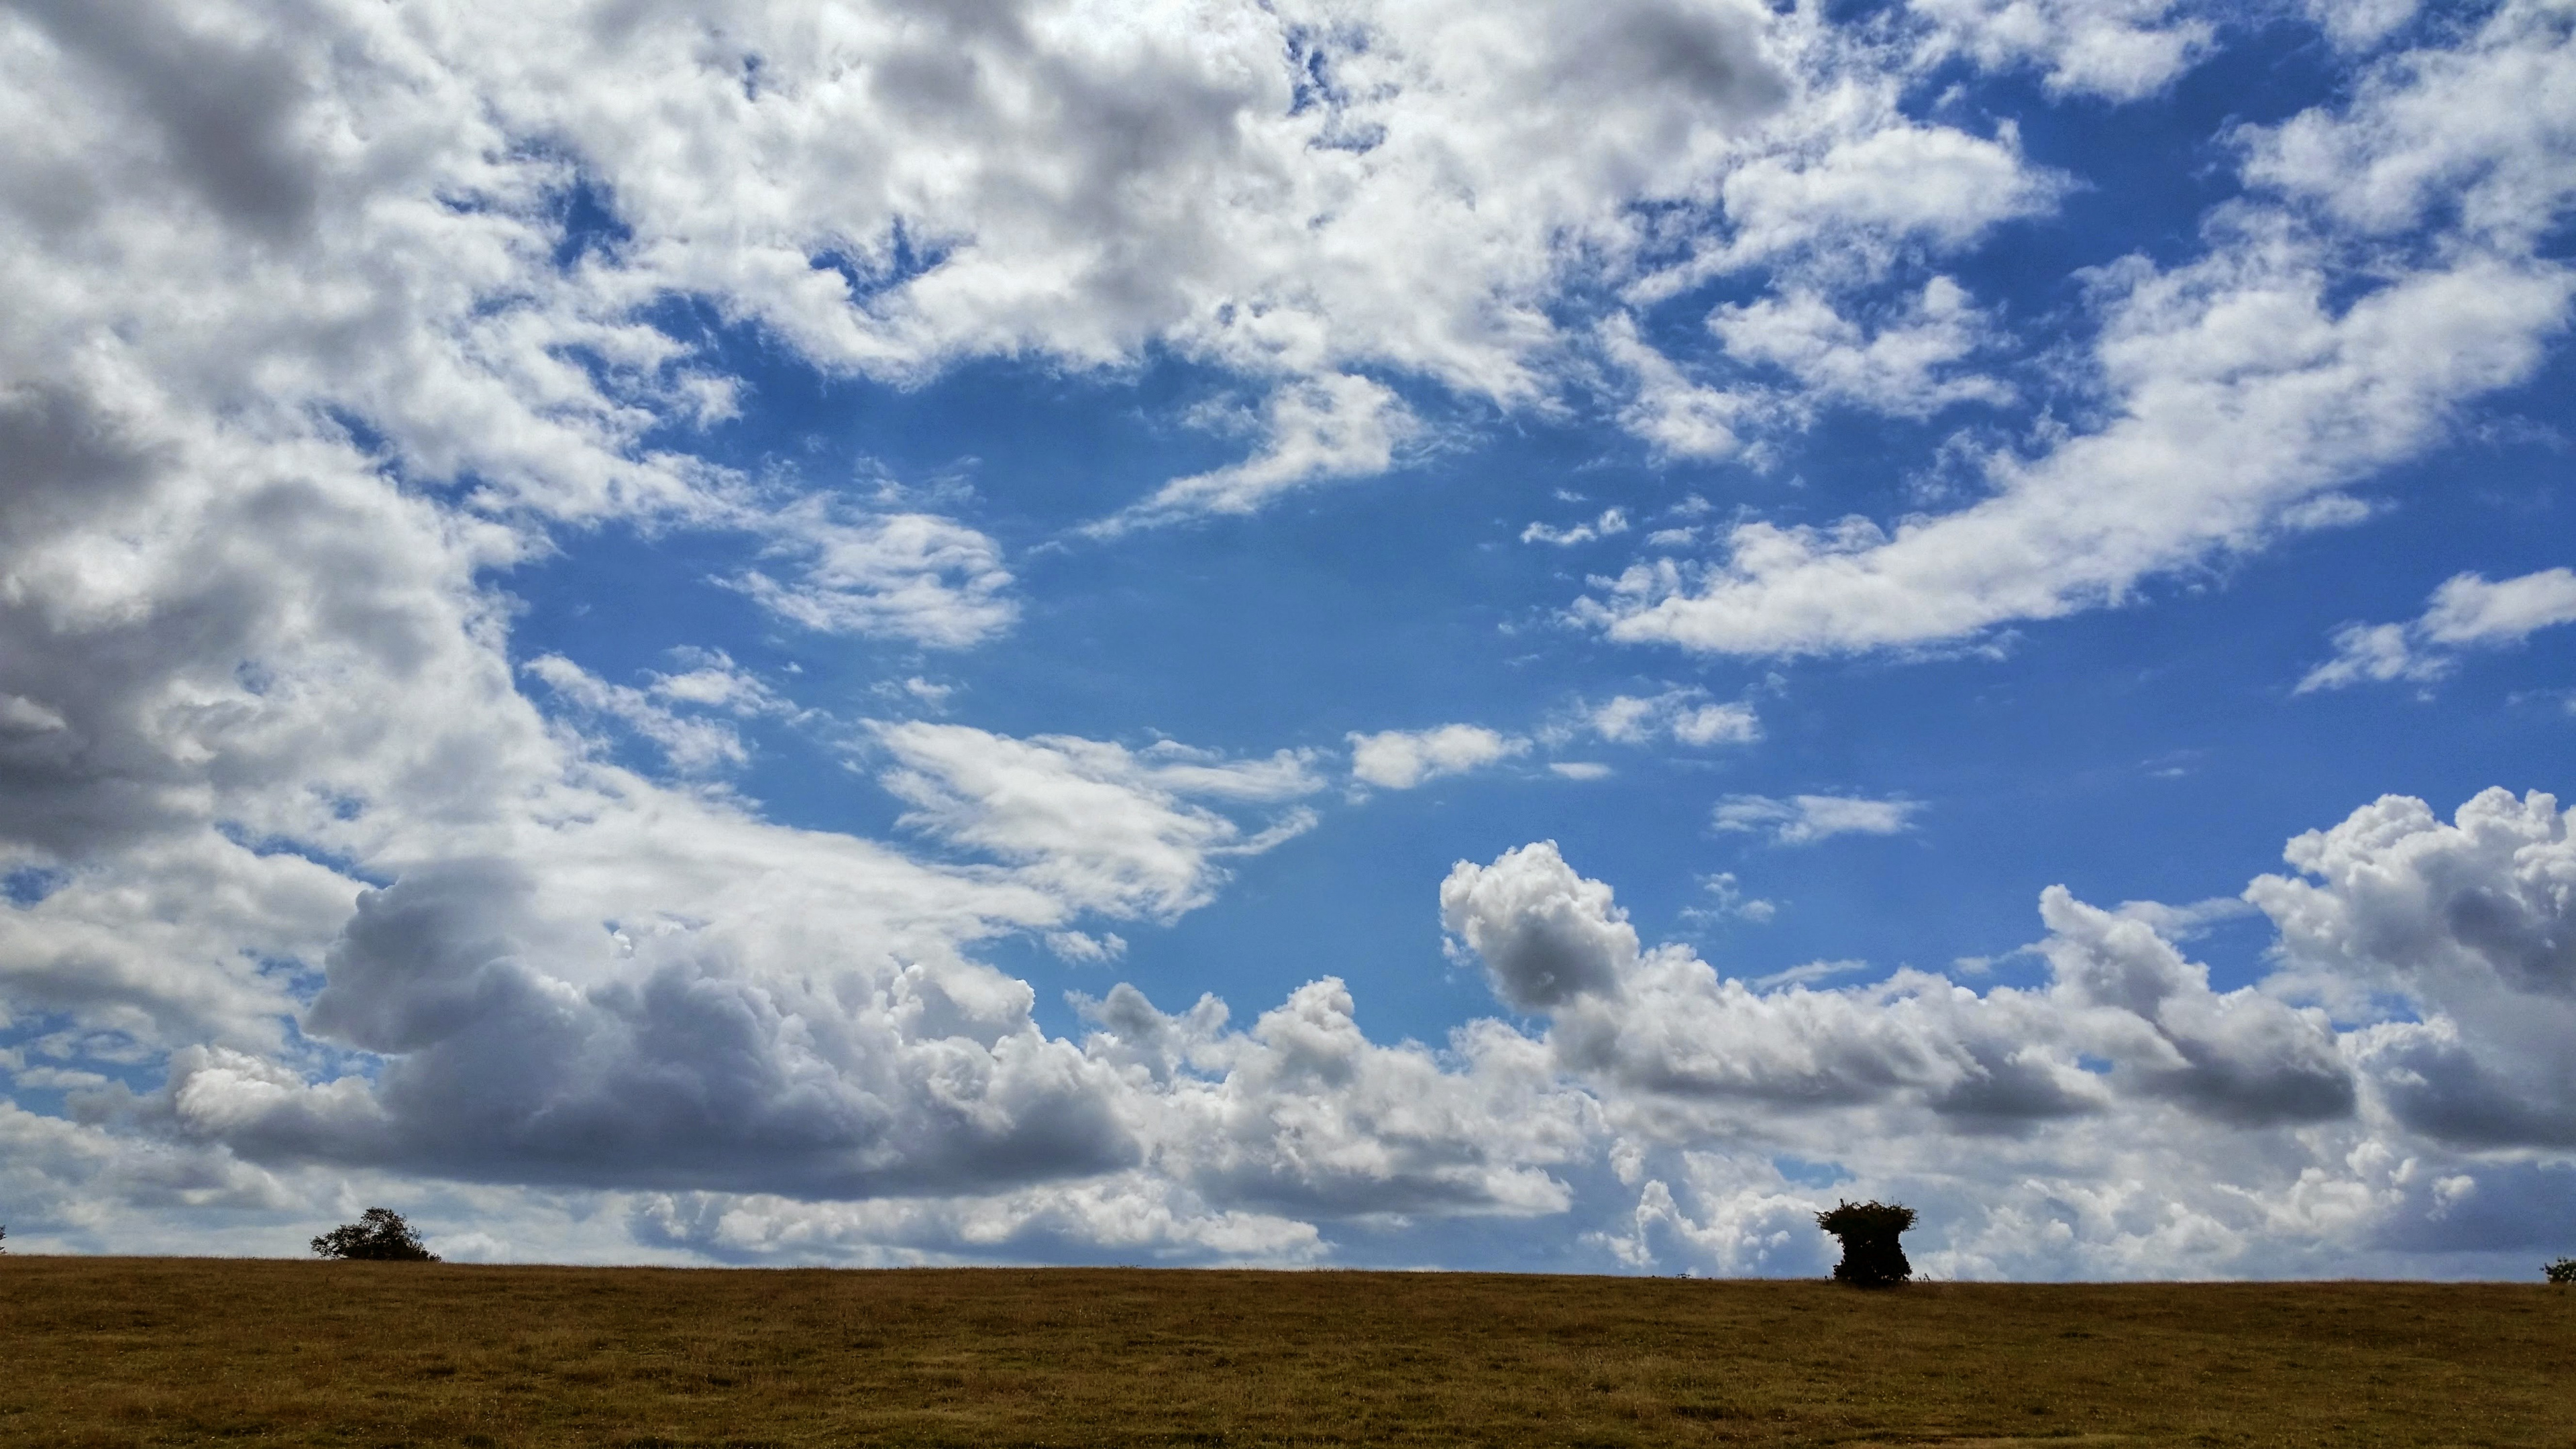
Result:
pixel 166 1351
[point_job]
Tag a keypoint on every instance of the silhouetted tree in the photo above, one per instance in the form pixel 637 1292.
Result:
pixel 379 1234
pixel 2562 1271
pixel 1872 1258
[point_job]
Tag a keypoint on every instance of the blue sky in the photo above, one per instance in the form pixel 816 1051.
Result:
pixel 636 635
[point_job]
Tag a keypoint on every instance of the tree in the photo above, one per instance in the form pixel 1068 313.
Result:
pixel 2562 1271
pixel 1872 1258
pixel 379 1234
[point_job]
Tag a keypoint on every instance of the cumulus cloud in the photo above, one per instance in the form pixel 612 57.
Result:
pixel 1544 934
pixel 304 354
pixel 2470 920
pixel 1402 759
pixel 1123 1216
pixel 2466 612
pixel 1304 1114
pixel 1806 819
pixel 2276 1124
pixel 1664 1023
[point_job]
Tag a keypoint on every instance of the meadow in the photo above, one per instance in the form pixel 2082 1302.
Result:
pixel 99 1351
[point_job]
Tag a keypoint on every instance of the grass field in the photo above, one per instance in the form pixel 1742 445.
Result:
pixel 160 1351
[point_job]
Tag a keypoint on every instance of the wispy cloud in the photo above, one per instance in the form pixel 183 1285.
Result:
pixel 1806 819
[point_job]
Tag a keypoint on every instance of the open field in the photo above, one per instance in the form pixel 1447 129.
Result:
pixel 157 1351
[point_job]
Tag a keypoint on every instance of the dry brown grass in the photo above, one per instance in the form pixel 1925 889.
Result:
pixel 156 1351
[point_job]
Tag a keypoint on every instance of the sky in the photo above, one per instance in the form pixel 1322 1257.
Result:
pixel 1408 633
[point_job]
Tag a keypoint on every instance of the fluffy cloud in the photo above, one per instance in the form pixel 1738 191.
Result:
pixel 1544 935
pixel 2471 921
pixel 1806 819
pixel 1303 1114
pixel 307 351
pixel 2155 1118
pixel 1905 366
pixel 1666 1024
pixel 2122 50
pixel 2467 611
pixel 1907 182
pixel 2128 1117
pixel 1402 759
pixel 2239 389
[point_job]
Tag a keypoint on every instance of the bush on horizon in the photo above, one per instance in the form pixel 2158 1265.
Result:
pixel 379 1235
pixel 1872 1257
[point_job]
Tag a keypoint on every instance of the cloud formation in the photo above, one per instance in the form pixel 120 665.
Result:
pixel 1402 759
pixel 327 323
pixel 1806 819
pixel 2238 390
pixel 2466 612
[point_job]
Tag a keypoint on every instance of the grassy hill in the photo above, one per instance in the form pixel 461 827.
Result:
pixel 157 1351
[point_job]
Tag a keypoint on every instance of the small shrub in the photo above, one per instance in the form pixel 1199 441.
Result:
pixel 379 1235
pixel 1872 1258
pixel 2562 1271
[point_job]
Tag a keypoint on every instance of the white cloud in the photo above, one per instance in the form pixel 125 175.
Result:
pixel 2376 653
pixel 1579 770
pixel 1677 417
pixel 292 376
pixel 1929 183
pixel 1402 759
pixel 1806 819
pixel 2358 23
pixel 693 743
pixel 913 576
pixel 1085 947
pixel 1091 823
pixel 1544 934
pixel 2467 611
pixel 1727 901
pixel 2470 610
pixel 1303 1114
pixel 2471 920
pixel 2479 130
pixel 1334 427
pixel 1808 974
pixel 1687 716
pixel 2239 388
pixel 1611 523
pixel 1907 366
pixel 1136 1213
pixel 2122 50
